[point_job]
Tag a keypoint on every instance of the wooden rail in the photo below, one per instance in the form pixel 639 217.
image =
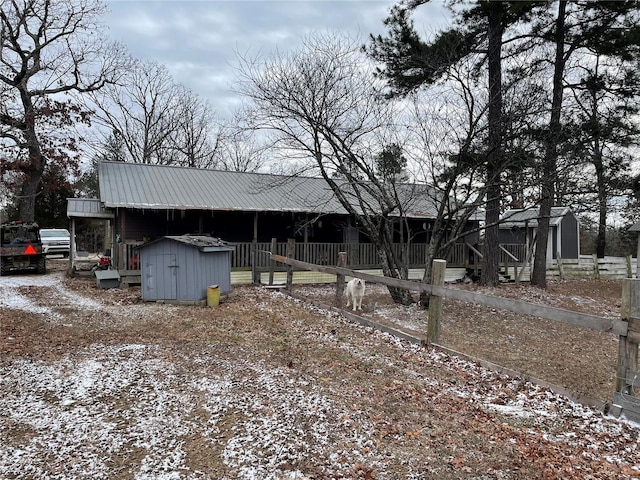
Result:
pixel 627 327
pixel 603 324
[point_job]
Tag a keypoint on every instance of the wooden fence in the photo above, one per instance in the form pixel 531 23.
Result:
pixel 592 266
pixel 627 327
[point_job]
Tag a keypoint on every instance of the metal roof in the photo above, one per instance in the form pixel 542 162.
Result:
pixel 530 216
pixel 86 208
pixel 135 185
pixel 203 243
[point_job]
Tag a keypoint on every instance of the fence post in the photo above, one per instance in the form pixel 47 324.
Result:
pixel 272 264
pixel 291 253
pixel 628 344
pixel 342 262
pixel 629 268
pixel 438 270
pixel 596 266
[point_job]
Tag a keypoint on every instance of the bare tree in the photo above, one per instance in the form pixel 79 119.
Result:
pixel 448 127
pixel 322 103
pixel 49 50
pixel 197 138
pixel 159 121
pixel 241 151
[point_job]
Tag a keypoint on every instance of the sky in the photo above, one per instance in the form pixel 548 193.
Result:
pixel 199 41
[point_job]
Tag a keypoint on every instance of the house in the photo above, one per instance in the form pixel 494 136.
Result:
pixel 181 268
pixel 249 210
pixel 520 227
pixel 152 201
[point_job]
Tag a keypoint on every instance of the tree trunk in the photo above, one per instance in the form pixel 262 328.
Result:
pixel 494 158
pixel 601 181
pixel 490 261
pixel 28 193
pixel 601 239
pixel 399 295
pixel 34 170
pixel 392 266
pixel 549 167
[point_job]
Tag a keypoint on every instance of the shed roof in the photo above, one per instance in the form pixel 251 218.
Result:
pixel 203 243
pixel 86 208
pixel 530 216
pixel 134 185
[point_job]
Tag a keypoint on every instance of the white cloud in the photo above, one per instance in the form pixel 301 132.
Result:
pixel 198 41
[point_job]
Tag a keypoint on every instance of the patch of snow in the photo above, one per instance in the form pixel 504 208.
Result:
pixel 93 410
pixel 11 297
pixel 79 415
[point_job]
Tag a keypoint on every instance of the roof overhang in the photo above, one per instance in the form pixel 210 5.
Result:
pixel 87 208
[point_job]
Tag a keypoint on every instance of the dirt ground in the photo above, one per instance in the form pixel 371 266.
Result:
pixel 578 359
pixel 265 386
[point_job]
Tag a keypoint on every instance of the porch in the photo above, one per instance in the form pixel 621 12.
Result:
pixel 250 260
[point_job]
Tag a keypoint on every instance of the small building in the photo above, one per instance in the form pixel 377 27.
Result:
pixel 521 227
pixel 181 268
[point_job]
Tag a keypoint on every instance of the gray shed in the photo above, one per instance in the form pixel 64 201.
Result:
pixel 520 226
pixel 181 268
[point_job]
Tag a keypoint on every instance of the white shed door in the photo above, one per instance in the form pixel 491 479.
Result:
pixel 162 277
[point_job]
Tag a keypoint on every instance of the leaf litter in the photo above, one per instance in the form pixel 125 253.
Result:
pixel 96 384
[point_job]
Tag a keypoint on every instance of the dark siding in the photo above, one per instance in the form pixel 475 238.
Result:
pixel 237 226
pixel 570 237
pixel 232 226
pixel 512 235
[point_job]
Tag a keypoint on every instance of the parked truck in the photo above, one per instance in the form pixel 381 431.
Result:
pixel 21 248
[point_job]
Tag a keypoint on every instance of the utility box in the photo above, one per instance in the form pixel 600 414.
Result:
pixel 107 278
pixel 181 268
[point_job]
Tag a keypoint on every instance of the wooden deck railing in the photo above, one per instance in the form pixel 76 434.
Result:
pixel 249 255
pixel 361 255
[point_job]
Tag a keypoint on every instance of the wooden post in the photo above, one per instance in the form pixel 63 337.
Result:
pixel 596 267
pixel 342 262
pixel 272 264
pixel 466 263
pixel 629 268
pixel 628 344
pixel 638 257
pixel 560 266
pixel 255 270
pixel 72 247
pixel 438 270
pixel 291 253
pixel 255 275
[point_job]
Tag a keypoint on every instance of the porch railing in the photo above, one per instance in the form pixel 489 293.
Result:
pixel 360 255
